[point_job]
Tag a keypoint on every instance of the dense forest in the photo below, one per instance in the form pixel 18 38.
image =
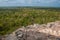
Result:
pixel 13 18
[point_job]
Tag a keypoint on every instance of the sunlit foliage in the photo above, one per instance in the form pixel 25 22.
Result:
pixel 11 19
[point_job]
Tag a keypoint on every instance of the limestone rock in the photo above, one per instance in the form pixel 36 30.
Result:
pixel 37 32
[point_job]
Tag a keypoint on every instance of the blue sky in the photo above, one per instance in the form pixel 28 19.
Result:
pixel 52 3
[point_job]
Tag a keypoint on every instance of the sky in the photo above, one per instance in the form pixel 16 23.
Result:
pixel 48 3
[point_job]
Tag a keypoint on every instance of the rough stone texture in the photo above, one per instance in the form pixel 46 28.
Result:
pixel 37 32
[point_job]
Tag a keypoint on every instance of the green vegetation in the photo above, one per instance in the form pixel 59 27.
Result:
pixel 11 19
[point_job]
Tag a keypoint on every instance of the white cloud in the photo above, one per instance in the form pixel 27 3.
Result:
pixel 29 2
pixel 3 0
pixel 47 1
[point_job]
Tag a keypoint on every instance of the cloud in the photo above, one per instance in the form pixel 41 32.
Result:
pixel 30 2
pixel 45 1
pixel 3 0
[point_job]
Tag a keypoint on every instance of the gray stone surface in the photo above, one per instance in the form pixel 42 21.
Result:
pixel 31 32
